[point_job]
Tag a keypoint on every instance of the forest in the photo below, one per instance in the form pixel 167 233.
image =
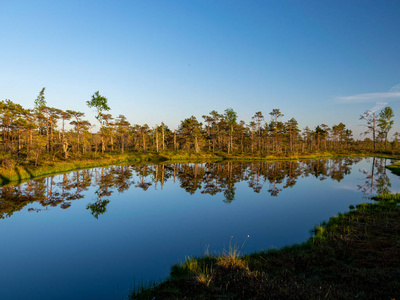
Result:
pixel 32 136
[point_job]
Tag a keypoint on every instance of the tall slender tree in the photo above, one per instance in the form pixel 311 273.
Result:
pixel 258 118
pixel 231 117
pixel 385 122
pixel 40 101
pixel 65 116
pixel 370 118
pixel 275 115
pixel 77 123
pixel 100 104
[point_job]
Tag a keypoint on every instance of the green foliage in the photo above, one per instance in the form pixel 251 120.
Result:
pixel 231 116
pixel 40 102
pixel 100 104
pixel 191 131
pixel 385 121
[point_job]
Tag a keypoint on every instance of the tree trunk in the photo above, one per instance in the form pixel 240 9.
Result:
pixel 19 139
pixel 174 140
pixel 163 138
pixel 157 141
pixel 78 129
pixel 196 146
pixel 51 135
pixel 47 135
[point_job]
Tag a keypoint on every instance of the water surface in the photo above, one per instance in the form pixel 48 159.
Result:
pixel 90 234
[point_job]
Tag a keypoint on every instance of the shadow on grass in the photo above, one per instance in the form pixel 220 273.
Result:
pixel 19 178
pixel 4 180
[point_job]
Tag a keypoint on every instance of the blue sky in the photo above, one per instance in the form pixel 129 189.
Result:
pixel 317 61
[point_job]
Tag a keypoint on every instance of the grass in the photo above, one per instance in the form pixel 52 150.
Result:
pixel 230 257
pixel 353 255
pixel 19 173
pixel 140 287
pixel 395 168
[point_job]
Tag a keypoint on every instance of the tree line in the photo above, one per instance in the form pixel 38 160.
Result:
pixel 32 134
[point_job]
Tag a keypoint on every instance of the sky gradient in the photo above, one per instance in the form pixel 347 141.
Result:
pixel 317 61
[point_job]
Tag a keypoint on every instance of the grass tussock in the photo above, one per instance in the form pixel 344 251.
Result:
pixel 353 255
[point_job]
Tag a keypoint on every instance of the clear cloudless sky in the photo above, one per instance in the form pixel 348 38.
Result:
pixel 167 60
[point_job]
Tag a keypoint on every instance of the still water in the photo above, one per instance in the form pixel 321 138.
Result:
pixel 91 234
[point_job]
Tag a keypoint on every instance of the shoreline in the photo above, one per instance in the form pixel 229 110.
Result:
pixel 23 172
pixel 353 255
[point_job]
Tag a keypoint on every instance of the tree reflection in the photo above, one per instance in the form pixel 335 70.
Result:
pixel 98 208
pixel 105 182
pixel 229 193
pixel 376 180
pixel 212 178
pixel 143 184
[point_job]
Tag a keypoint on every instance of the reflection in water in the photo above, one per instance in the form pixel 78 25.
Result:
pixel 376 179
pixel 207 178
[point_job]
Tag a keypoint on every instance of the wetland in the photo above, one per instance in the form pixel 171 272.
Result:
pixel 96 233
